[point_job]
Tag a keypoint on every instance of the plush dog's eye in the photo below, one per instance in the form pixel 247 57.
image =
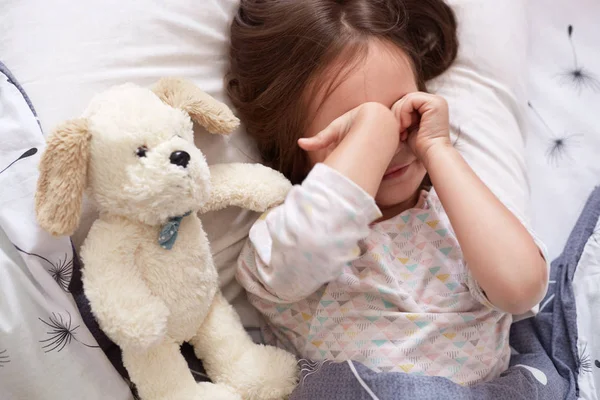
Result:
pixel 141 151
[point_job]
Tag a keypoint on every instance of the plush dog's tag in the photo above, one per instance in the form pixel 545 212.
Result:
pixel 168 233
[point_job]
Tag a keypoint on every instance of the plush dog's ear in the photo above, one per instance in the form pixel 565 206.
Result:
pixel 63 177
pixel 215 116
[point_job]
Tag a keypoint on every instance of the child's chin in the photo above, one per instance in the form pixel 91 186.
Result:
pixel 389 197
pixel 401 194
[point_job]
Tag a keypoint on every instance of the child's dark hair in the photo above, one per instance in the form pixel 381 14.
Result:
pixel 279 46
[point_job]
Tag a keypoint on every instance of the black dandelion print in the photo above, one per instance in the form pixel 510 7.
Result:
pixel 557 150
pixel 578 77
pixel 61 271
pixel 4 358
pixel 28 153
pixel 585 362
pixel 559 147
pixel 61 333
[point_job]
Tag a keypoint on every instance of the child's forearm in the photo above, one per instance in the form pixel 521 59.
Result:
pixel 499 251
pixel 365 153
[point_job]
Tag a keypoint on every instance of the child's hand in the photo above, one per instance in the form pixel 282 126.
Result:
pixel 360 144
pixel 369 118
pixel 424 122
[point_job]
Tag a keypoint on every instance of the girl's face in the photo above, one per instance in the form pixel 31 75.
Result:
pixel 385 76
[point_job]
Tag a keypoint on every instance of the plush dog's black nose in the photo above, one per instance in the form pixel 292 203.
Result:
pixel 180 158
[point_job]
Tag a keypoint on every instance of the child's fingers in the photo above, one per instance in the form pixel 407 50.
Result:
pixel 407 119
pixel 320 141
pixel 412 122
pixel 408 110
pixel 397 109
pixel 330 135
pixel 310 144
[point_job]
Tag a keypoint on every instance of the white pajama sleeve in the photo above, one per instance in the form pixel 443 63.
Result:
pixel 296 248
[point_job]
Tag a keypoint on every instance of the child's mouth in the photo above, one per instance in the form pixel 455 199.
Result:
pixel 395 172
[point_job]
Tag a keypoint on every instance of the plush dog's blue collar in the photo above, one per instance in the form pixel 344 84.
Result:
pixel 169 231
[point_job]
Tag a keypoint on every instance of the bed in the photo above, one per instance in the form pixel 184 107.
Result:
pixel 527 70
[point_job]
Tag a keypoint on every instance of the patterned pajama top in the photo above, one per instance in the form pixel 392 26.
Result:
pixel 394 295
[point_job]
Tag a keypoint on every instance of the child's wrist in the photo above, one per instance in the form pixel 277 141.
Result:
pixel 435 151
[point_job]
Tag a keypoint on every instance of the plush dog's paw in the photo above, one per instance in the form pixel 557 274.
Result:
pixel 270 188
pixel 215 391
pixel 265 373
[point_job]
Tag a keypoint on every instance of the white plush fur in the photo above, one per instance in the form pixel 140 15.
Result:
pixel 121 120
pixel 150 300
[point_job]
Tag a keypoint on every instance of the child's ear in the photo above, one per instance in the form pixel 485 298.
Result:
pixel 215 116
pixel 63 177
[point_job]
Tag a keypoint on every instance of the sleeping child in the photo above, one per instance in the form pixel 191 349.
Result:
pixel 389 250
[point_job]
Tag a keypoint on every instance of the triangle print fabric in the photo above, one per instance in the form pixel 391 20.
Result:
pixel 407 305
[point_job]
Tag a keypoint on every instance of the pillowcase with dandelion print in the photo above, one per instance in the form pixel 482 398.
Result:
pixel 46 351
pixel 564 93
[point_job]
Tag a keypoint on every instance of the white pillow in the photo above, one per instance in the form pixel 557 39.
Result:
pixel 486 91
pixel 63 52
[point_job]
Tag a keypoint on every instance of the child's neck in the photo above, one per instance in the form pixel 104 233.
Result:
pixel 390 212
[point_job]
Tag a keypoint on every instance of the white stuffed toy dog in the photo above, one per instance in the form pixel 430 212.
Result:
pixel 148 270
